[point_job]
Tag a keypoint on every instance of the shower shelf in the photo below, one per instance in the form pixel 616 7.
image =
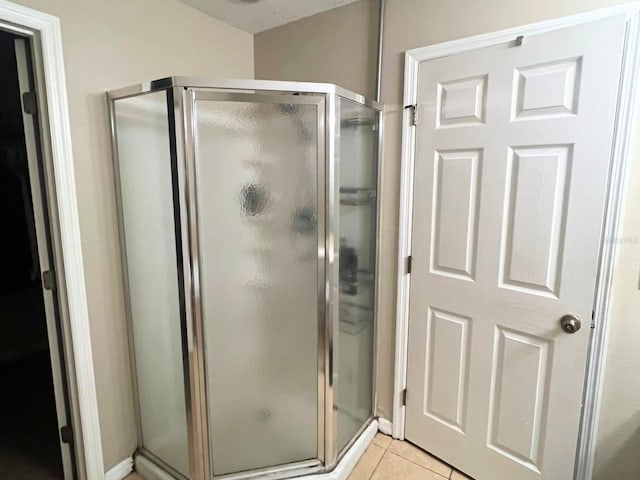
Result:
pixel 364 276
pixel 357 196
pixel 365 279
pixel 358 122
pixel 355 314
pixel 353 329
pixel 353 305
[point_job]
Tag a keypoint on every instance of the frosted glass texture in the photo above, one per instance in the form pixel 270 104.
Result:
pixel 257 213
pixel 358 157
pixel 142 131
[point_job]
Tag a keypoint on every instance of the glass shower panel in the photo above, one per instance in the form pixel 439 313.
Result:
pixel 145 179
pixel 357 260
pixel 257 204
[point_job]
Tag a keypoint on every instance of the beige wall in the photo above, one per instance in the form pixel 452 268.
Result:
pixel 286 52
pixel 107 45
pixel 334 47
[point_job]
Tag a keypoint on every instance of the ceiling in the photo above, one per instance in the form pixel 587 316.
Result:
pixel 255 16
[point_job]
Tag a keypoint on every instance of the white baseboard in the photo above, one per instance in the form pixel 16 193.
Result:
pixel 121 470
pixel 385 426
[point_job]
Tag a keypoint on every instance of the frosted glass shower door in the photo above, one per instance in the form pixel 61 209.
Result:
pixel 256 163
pixel 354 341
pixel 148 223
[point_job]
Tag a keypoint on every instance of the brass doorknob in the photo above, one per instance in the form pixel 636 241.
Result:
pixel 570 323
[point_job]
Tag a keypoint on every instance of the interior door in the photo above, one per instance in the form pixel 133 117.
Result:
pixel 42 248
pixel 512 160
pixel 259 188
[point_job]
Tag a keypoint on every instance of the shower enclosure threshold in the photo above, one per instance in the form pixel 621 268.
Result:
pixel 150 471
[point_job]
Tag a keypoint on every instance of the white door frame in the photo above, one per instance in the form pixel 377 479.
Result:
pixel 598 343
pixel 44 30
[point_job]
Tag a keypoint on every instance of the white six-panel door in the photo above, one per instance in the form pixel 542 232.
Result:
pixel 512 158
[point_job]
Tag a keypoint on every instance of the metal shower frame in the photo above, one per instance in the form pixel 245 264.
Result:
pixel 181 93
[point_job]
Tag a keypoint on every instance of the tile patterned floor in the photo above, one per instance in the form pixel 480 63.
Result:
pixel 388 459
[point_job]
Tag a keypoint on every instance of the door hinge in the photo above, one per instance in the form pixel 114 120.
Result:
pixel 404 397
pixel 49 279
pixel 413 111
pixel 66 434
pixel 409 262
pixel 30 103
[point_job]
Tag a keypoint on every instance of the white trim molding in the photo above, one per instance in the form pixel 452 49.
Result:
pixel 121 470
pixel 404 244
pixel 46 33
pixel 626 99
pixel 612 227
pixel 385 426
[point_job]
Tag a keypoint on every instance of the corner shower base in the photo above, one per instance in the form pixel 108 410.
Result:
pixel 150 471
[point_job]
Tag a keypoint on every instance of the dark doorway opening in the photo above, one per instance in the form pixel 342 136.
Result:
pixel 29 434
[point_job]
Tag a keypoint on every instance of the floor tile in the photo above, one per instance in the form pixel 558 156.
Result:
pixel 368 463
pixel 415 455
pixel 393 467
pixel 134 476
pixel 455 475
pixel 382 440
pixel 400 461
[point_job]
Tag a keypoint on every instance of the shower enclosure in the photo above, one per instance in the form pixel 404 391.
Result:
pixel 248 218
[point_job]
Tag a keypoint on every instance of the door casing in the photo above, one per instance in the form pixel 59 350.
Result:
pixel 44 34
pixel 618 167
pixel 33 141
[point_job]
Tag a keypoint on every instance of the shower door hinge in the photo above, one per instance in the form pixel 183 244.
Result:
pixel 404 397
pixel 30 103
pixel 49 279
pixel 66 434
pixel 413 111
pixel 409 262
